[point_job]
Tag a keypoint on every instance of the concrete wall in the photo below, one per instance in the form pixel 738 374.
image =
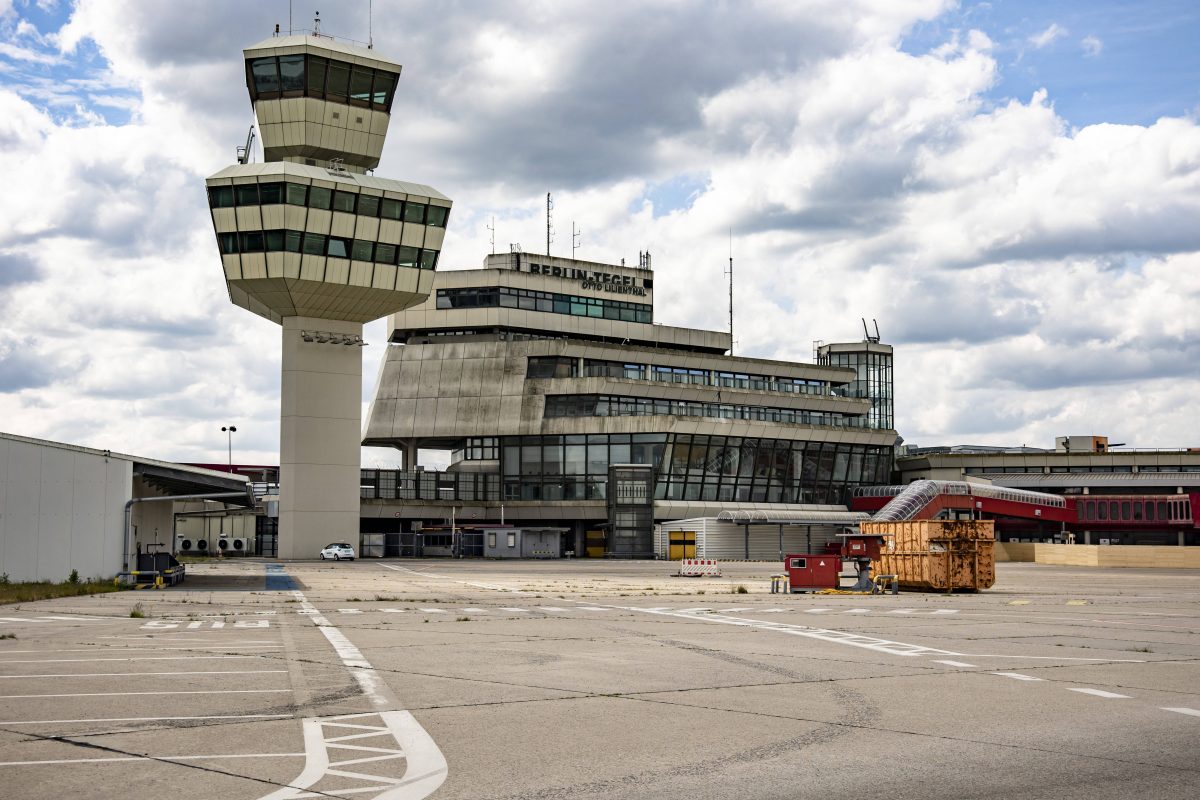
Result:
pixel 1082 555
pixel 448 390
pixel 727 540
pixel 320 420
pixel 61 509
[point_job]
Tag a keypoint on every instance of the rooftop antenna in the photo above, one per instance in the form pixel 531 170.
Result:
pixel 877 336
pixel 290 18
pixel 492 228
pixel 867 331
pixel 575 234
pixel 549 223
pixel 317 24
pixel 370 25
pixel 729 272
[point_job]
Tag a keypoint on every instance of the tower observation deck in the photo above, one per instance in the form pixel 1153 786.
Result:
pixel 312 242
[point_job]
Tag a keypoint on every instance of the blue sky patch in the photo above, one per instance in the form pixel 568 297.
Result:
pixel 1100 61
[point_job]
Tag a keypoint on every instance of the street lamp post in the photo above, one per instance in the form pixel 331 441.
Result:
pixel 229 431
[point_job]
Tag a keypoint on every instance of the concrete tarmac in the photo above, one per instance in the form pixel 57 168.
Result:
pixel 576 679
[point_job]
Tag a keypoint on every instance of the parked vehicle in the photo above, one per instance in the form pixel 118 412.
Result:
pixel 338 551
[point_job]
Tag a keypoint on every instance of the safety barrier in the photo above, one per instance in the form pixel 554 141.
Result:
pixel 694 567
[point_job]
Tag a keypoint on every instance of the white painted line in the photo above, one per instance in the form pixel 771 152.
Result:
pixel 736 608
pixel 694 610
pixel 146 758
pixel 944 611
pixel 434 610
pixel 516 610
pixel 857 611
pixel 141 719
pixel 139 674
pixel 1191 712
pixel 769 610
pixel 475 610
pixel 1058 658
pixel 1100 693
pixel 425 766
pixel 817 610
pixel 135 658
pixel 349 611
pixel 393 610
pixel 1017 676
pixel 142 694
pixel 590 608
pixel 831 636
pixel 902 611
pixel 551 608
pixel 953 663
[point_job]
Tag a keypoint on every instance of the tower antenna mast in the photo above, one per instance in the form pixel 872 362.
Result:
pixel 492 228
pixel 575 236
pixel 549 223
pixel 729 272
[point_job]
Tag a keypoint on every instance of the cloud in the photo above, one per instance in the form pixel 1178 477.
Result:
pixel 1092 46
pixel 1034 277
pixel 1053 33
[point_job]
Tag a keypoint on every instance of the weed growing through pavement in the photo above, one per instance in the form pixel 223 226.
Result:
pixel 739 589
pixel 8 636
pixel 463 619
pixel 137 612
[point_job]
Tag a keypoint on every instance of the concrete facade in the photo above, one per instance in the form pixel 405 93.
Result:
pixel 539 373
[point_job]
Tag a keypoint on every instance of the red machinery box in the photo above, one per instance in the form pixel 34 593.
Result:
pixel 809 572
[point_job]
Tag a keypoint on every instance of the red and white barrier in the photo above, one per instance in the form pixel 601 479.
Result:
pixel 693 567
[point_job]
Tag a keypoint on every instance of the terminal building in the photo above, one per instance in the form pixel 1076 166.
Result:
pixel 1120 495
pixel 565 405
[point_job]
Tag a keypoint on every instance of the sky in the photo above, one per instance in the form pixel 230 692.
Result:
pixel 1010 189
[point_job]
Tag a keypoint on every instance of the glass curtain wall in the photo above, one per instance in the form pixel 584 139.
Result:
pixel 873 379
pixel 691 467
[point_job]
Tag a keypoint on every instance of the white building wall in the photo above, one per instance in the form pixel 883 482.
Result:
pixel 727 540
pixel 60 509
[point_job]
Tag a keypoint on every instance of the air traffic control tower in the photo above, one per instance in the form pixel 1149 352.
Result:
pixel 315 243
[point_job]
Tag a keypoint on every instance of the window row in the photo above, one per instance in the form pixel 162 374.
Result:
pixel 1077 470
pixel 568 367
pixel 483 448
pixel 590 405
pixel 549 302
pixel 549 455
pixel 698 457
pixel 300 75
pixel 326 199
pixel 318 244
pixel 1128 510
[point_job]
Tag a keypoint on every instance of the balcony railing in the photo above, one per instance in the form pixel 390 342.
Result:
pixel 391 484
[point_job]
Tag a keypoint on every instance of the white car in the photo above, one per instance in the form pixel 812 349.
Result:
pixel 338 551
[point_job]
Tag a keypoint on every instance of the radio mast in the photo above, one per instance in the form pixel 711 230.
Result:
pixel 729 272
pixel 549 223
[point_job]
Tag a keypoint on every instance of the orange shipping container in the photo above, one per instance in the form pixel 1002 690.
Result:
pixel 937 555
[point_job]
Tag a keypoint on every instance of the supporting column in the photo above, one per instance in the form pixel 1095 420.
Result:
pixel 320 430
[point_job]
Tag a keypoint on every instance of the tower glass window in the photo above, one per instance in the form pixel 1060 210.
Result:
pixel 291 75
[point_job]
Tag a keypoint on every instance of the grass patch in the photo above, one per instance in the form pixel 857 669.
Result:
pixel 8 636
pixel 137 612
pixel 739 589
pixel 47 590
pixel 463 619
pixel 383 598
